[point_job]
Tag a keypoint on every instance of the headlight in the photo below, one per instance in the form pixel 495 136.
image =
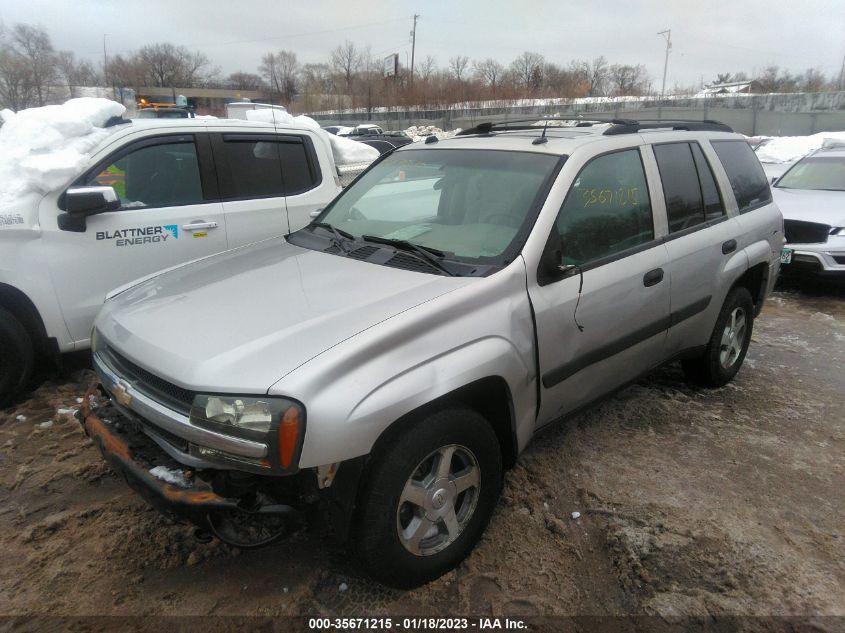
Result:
pixel 277 422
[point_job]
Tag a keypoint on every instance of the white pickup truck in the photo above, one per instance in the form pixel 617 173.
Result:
pixel 153 194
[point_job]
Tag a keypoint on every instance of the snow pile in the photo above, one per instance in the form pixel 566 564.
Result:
pixel 42 148
pixel 345 151
pixel 173 477
pixel 421 132
pixel 785 149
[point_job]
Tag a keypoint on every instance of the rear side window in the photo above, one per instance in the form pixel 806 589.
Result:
pixel 255 169
pixel 713 207
pixel 745 173
pixel 298 170
pixel 607 210
pixel 265 167
pixel 681 188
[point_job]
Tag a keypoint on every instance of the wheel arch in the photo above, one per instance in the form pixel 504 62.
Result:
pixel 489 396
pixel 755 280
pixel 24 310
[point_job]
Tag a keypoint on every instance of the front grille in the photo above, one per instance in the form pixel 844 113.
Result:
pixel 166 393
pixel 800 232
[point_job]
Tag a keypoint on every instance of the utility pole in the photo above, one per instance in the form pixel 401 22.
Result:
pixel 842 74
pixel 667 35
pixel 105 57
pixel 413 46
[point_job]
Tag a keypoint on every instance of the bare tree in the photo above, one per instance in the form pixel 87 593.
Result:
pixel 346 59
pixel 458 66
pixel 813 81
pixel 628 80
pixel 490 72
pixel 528 71
pixel 170 65
pixel 32 43
pixel 74 72
pixel 593 74
pixel 124 72
pixel 426 68
pixel 723 78
pixel 16 84
pixel 244 81
pixel 281 72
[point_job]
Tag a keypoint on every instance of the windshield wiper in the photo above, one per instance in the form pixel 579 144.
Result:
pixel 431 255
pixel 339 234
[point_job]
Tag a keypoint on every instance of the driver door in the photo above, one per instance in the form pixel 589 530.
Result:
pixel 168 215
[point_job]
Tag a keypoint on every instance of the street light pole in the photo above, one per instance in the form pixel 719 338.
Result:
pixel 413 46
pixel 667 34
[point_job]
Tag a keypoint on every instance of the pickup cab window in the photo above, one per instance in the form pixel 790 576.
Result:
pixel 160 175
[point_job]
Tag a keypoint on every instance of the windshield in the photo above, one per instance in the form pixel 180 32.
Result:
pixel 816 173
pixel 467 204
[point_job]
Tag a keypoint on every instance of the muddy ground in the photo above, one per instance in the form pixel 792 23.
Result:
pixel 692 502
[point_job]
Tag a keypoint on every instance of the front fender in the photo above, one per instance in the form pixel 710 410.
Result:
pixel 355 391
pixel 364 419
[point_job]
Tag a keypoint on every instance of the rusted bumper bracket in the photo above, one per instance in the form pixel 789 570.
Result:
pixel 196 503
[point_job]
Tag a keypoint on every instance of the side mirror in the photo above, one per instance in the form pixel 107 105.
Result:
pixel 86 201
pixel 551 266
pixel 80 202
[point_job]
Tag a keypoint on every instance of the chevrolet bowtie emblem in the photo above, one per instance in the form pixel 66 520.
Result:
pixel 120 395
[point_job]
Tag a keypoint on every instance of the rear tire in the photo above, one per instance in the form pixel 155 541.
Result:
pixel 16 356
pixel 728 343
pixel 428 497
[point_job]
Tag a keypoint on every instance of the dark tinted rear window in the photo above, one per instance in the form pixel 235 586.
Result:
pixel 255 169
pixel 680 185
pixel 748 181
pixel 713 207
pixel 298 171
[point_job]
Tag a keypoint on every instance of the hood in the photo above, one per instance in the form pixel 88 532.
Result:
pixel 242 320
pixel 811 205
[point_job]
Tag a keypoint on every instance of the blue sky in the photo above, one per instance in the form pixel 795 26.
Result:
pixel 708 37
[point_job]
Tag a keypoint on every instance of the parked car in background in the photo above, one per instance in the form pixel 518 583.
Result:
pixel 380 368
pixel 153 194
pixel 811 195
pixel 338 130
pixel 165 113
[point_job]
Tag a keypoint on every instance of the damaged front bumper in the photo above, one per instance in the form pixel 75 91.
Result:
pixel 133 455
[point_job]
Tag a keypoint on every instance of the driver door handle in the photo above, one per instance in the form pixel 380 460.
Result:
pixel 198 226
pixel 653 277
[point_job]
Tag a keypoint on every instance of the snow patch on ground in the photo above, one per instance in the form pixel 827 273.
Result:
pixel 42 148
pixel 345 151
pixel 784 149
pixel 421 132
pixel 174 477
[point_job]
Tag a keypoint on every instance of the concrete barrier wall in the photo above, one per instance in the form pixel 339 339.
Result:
pixel 769 115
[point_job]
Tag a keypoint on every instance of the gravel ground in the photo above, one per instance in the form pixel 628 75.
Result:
pixel 692 502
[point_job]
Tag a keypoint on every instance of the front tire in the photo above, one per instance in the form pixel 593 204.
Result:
pixel 728 343
pixel 428 497
pixel 16 356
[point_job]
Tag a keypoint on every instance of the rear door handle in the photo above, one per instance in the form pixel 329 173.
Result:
pixel 653 277
pixel 728 247
pixel 198 226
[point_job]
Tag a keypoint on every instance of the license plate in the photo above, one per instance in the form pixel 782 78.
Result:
pixel 786 256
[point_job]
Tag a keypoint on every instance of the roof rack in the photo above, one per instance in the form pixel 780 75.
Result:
pixel 617 126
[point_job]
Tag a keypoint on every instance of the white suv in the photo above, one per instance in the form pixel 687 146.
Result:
pixel 154 194
pixel 387 362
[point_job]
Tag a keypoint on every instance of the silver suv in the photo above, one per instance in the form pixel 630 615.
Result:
pixel 385 364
